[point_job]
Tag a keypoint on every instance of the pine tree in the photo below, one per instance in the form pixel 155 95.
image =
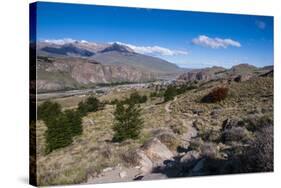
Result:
pixel 62 129
pixel 58 134
pixel 48 110
pixel 128 122
pixel 170 93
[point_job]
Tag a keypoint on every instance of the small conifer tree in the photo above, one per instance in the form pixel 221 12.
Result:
pixel 128 122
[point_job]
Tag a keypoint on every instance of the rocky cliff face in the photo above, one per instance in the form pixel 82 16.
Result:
pixel 70 73
pixel 201 74
pixel 237 73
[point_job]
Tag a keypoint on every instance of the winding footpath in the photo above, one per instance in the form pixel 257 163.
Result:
pixel 118 174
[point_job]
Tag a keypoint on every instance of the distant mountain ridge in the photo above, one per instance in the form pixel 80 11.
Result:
pixel 107 54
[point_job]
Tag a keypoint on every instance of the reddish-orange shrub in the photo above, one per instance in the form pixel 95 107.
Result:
pixel 216 95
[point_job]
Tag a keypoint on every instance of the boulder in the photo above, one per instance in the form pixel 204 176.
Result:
pixel 197 111
pixel 198 168
pixel 144 162
pixel 123 174
pixel 156 151
pixel 230 122
pixel 190 156
pixel 243 77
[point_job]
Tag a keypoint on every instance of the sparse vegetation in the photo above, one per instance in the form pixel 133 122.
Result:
pixel 135 98
pixel 238 134
pixel 128 122
pixel 261 151
pixel 216 95
pixel 228 142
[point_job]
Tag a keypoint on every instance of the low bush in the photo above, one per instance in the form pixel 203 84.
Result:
pixel 136 98
pixel 92 104
pixel 216 95
pixel 259 156
pixel 256 123
pixel 237 134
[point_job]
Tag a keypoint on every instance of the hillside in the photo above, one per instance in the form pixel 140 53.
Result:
pixel 181 137
pixel 64 73
pixel 237 72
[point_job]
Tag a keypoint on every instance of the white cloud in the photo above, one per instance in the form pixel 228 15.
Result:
pixel 206 41
pixel 260 24
pixel 64 41
pixel 156 50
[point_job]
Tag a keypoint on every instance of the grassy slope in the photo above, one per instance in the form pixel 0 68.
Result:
pixel 92 152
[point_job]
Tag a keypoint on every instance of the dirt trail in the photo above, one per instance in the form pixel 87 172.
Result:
pixel 118 174
pixel 167 106
pixel 192 132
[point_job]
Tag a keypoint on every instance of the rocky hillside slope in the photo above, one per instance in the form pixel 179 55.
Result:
pixel 183 137
pixel 241 72
pixel 71 73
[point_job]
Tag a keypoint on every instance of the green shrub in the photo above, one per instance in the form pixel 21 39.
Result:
pixel 92 104
pixel 157 94
pixel 62 129
pixel 173 91
pixel 136 98
pixel 48 110
pixel 128 122
pixel 216 95
pixel 170 93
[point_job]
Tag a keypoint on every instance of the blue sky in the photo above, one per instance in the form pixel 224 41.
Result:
pixel 189 39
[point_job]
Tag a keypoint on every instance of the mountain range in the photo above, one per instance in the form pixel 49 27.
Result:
pixel 80 64
pixel 106 54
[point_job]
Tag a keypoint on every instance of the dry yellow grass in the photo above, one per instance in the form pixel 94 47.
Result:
pixel 93 150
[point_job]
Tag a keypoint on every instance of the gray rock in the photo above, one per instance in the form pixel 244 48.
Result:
pixel 243 77
pixel 123 174
pixel 230 122
pixel 154 176
pixel 198 167
pixel 215 113
pixel 156 151
pixel 197 111
pixel 107 169
pixel 190 157
pixel 144 162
